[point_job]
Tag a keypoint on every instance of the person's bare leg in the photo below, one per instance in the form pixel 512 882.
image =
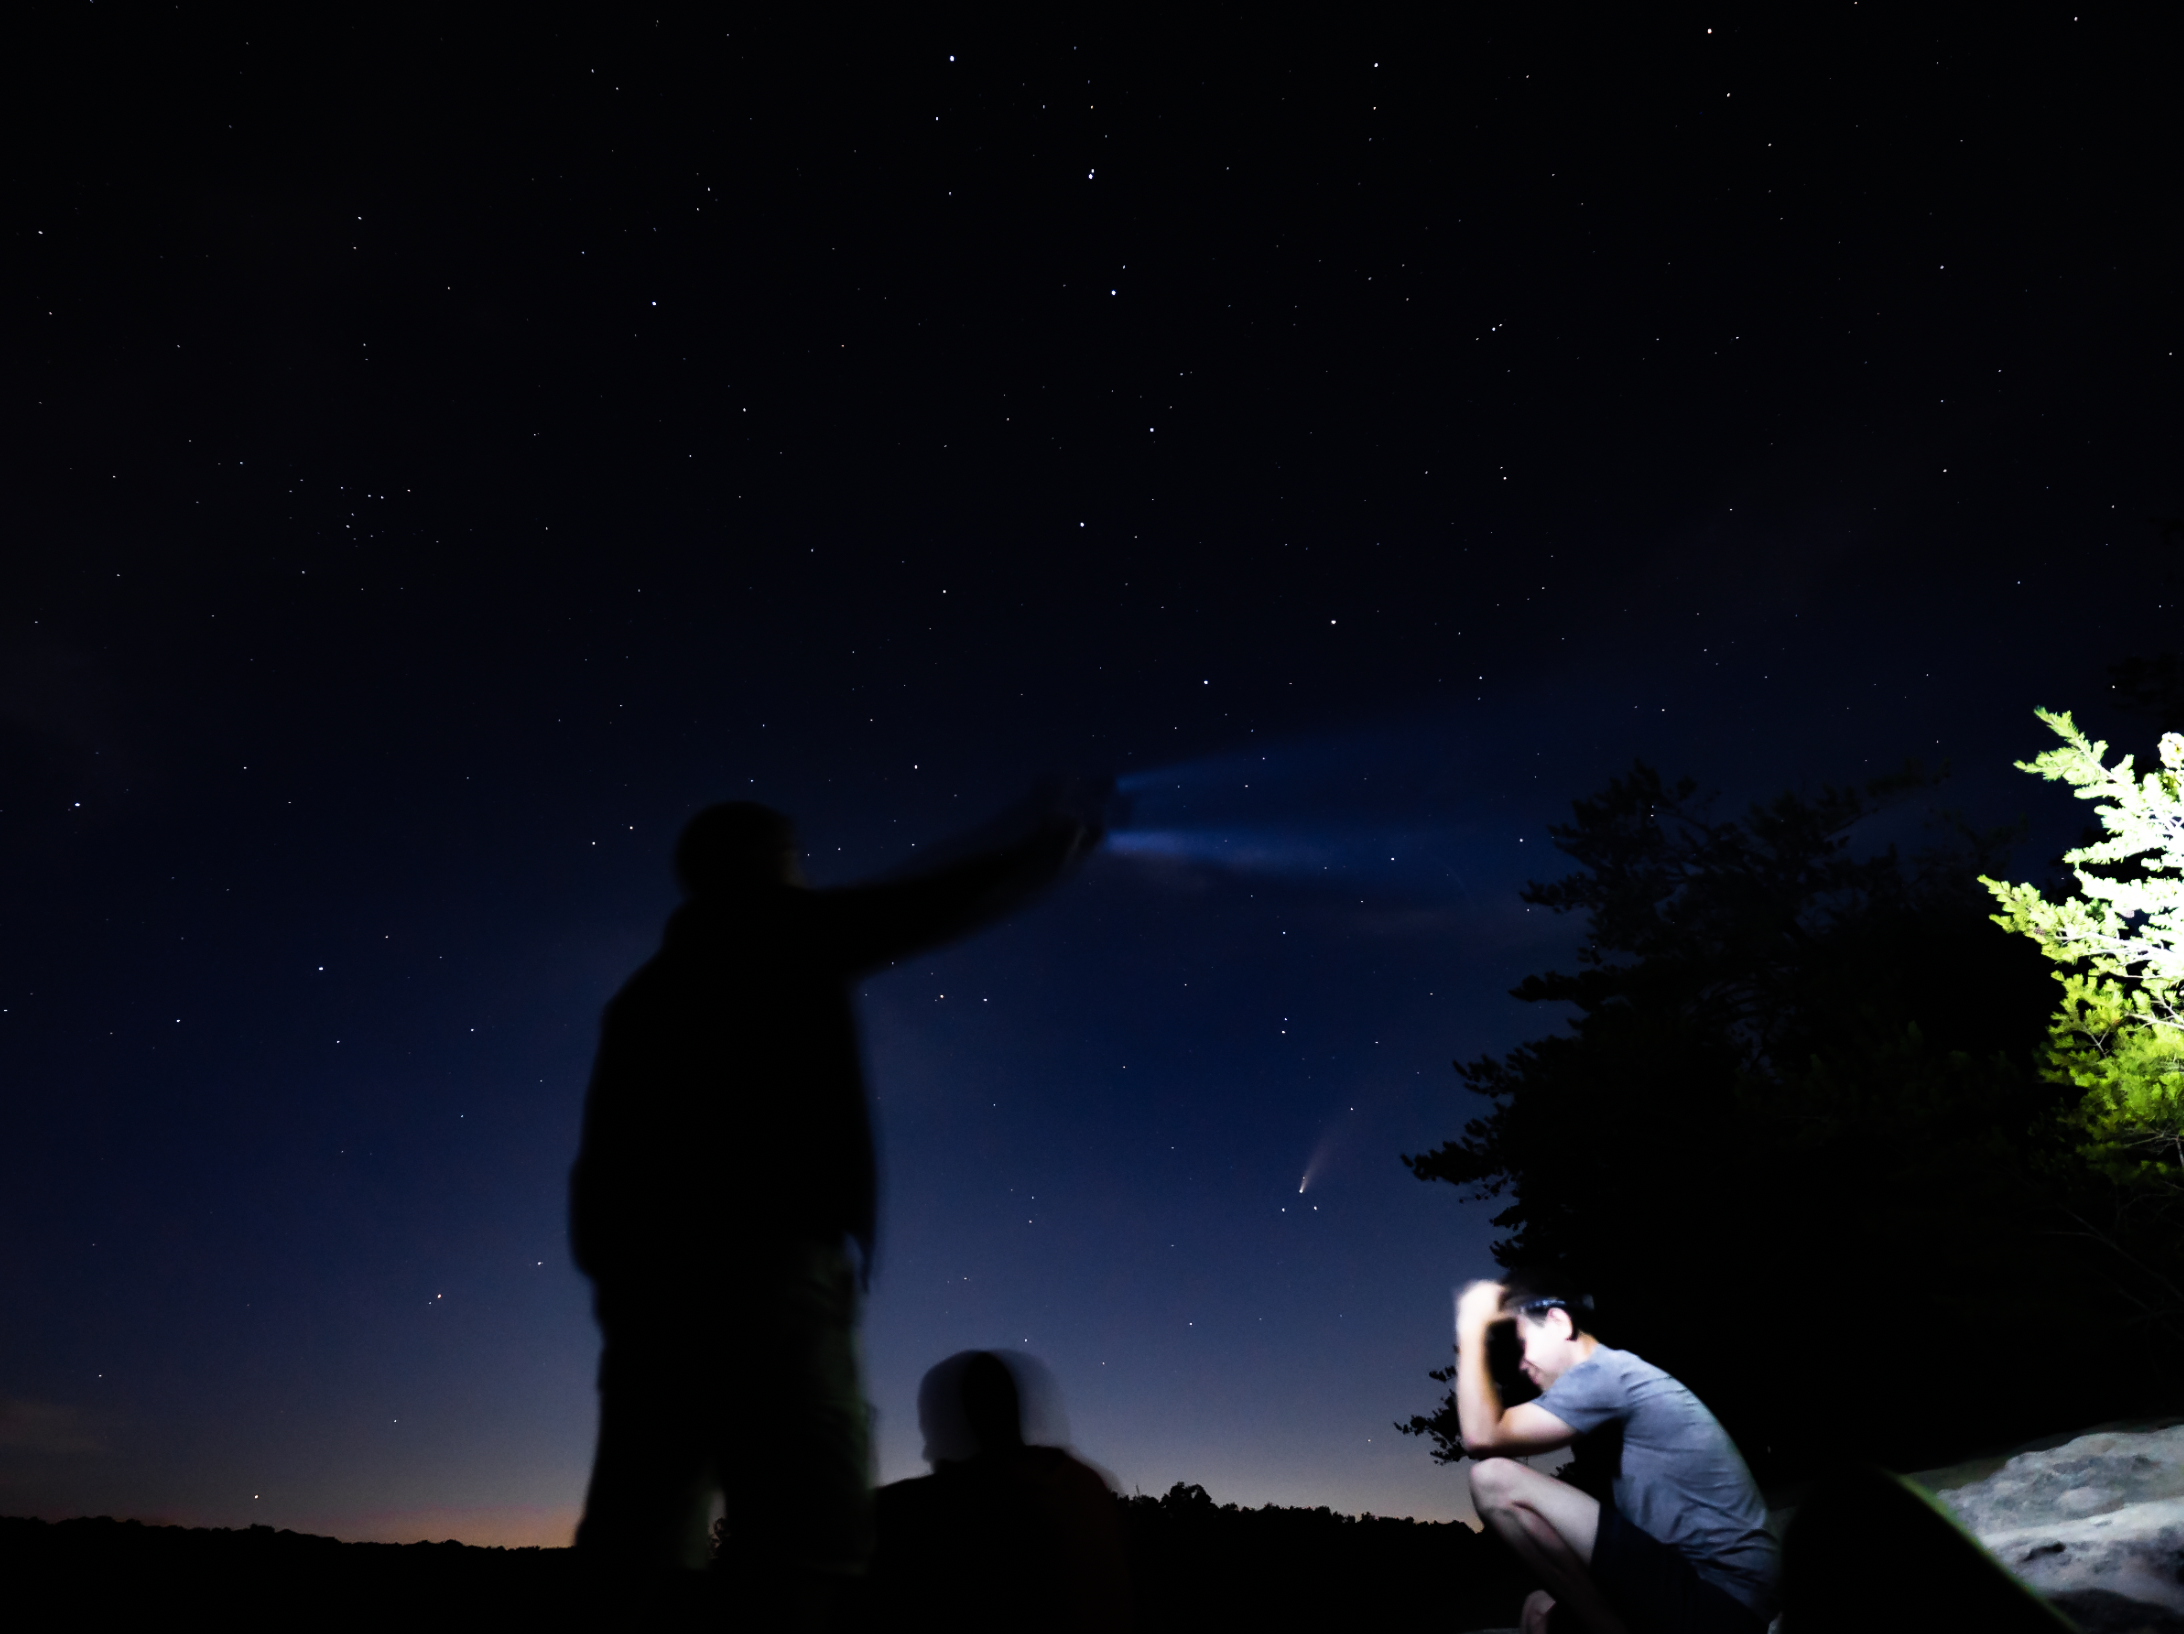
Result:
pixel 1551 1526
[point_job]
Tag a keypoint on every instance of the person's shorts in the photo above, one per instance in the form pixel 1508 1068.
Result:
pixel 1657 1590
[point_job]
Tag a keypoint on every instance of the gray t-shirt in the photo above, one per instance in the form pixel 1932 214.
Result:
pixel 1679 1477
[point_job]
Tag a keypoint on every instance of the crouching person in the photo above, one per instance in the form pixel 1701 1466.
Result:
pixel 1682 1548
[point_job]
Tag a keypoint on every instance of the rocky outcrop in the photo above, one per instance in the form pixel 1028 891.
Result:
pixel 2096 1525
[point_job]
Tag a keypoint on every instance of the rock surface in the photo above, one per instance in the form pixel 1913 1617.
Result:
pixel 2097 1519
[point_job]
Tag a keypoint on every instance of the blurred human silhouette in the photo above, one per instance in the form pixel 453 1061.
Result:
pixel 1003 1534
pixel 726 1165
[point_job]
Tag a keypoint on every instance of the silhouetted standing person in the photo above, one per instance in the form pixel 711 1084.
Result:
pixel 726 1162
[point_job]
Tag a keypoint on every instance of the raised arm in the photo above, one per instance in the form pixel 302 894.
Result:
pixel 867 925
pixel 1488 1427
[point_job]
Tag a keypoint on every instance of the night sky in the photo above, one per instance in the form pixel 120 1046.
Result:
pixel 436 465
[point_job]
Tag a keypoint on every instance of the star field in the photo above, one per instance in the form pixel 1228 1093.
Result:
pixel 437 474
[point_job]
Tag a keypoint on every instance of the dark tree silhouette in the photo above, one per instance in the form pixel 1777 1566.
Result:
pixel 1794 1137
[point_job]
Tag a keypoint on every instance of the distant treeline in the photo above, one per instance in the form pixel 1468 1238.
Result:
pixel 1195 1565
pixel 103 1573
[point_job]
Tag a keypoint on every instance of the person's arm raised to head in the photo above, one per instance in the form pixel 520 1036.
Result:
pixel 1488 1427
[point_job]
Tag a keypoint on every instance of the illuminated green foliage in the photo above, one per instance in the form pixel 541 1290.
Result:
pixel 2119 1033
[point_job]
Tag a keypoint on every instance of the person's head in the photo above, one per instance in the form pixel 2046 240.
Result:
pixel 979 1403
pixel 970 1406
pixel 991 1404
pixel 736 847
pixel 1551 1324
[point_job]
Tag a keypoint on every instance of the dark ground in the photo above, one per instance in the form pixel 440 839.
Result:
pixel 1196 1565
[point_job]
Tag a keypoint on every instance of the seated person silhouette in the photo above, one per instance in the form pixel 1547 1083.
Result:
pixel 1002 1535
pixel 726 1165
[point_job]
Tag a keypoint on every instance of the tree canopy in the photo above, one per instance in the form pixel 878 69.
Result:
pixel 1796 1136
pixel 2118 1035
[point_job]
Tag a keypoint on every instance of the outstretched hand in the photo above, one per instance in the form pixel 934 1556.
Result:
pixel 1078 805
pixel 1081 800
pixel 1065 808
